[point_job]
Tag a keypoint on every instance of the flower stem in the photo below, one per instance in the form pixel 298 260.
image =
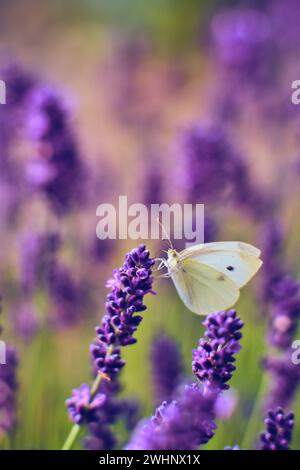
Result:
pixel 70 441
pixel 95 386
pixel 76 428
pixel 71 437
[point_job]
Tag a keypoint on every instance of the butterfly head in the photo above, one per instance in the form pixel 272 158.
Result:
pixel 173 256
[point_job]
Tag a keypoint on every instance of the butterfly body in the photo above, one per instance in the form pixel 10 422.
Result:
pixel 208 276
pixel 173 262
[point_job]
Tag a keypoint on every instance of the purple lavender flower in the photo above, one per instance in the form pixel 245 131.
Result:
pixel 285 312
pixel 246 60
pixel 98 412
pixel 37 251
pixel 57 171
pixel 153 179
pixel 226 404
pixel 281 293
pixel 82 406
pixel 208 162
pixel 19 84
pixel 101 436
pixel 279 428
pixel 243 39
pixel 184 424
pixel 273 268
pixel 130 410
pixel 167 368
pixel 280 290
pixel 212 169
pixel 285 17
pixel 66 296
pixel 121 76
pixel 284 380
pixel 188 421
pixel 128 286
pixel 26 321
pixel 248 196
pixel 213 359
pixel 8 387
pixel 100 249
pixel 99 425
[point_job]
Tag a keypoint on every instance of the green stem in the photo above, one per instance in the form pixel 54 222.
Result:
pixel 95 386
pixel 76 428
pixel 71 437
pixel 70 441
pixel 252 427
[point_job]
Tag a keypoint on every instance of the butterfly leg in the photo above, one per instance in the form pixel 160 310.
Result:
pixel 162 263
pixel 163 275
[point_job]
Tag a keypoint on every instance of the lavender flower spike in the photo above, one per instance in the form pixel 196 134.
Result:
pixel 8 387
pixel 213 359
pixel 128 286
pixel 188 421
pixel 285 379
pixel 279 428
pixel 82 406
pixel 183 424
pixel 167 368
pixel 57 171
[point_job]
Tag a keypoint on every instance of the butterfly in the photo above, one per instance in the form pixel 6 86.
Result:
pixel 208 276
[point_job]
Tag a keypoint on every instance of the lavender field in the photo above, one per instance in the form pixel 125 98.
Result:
pixel 163 102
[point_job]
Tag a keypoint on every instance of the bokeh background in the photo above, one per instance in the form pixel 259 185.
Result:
pixel 163 101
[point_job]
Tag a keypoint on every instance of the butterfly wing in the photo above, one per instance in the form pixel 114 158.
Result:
pixel 203 289
pixel 217 246
pixel 238 261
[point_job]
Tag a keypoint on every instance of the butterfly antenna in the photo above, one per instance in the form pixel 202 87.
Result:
pixel 166 233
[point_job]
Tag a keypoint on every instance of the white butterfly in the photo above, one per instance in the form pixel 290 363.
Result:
pixel 208 277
